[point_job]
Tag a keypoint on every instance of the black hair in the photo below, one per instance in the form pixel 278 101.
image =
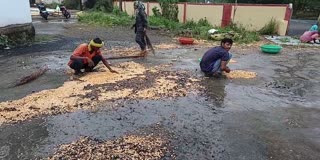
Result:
pixel 225 40
pixel 97 40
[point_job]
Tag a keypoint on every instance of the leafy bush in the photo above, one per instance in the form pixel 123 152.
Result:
pixel 242 34
pixel 104 5
pixel 156 12
pixel 169 9
pixel 163 23
pixel 89 4
pixel 197 29
pixel 190 24
pixel 4 42
pixel 116 11
pixel 270 28
pixel 204 22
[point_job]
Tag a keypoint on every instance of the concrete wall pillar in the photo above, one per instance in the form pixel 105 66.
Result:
pixel 18 33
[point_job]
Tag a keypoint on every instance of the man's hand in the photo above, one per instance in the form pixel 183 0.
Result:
pixel 227 70
pixel 113 71
pixel 90 62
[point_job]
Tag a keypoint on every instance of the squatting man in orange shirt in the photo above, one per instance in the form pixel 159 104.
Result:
pixel 87 56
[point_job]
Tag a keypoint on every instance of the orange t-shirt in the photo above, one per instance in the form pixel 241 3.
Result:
pixel 83 51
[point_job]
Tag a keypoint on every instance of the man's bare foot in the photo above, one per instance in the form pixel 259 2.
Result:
pixel 143 53
pixel 78 73
pixel 217 75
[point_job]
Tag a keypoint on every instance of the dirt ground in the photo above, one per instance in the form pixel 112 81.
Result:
pixel 158 107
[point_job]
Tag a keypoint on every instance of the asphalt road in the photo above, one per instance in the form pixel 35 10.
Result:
pixel 297 27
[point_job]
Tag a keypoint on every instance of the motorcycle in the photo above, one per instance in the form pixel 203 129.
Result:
pixel 65 12
pixel 43 11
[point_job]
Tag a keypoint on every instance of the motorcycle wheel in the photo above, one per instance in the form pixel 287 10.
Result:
pixel 67 15
pixel 45 16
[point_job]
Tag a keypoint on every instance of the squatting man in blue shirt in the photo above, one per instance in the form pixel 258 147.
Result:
pixel 215 60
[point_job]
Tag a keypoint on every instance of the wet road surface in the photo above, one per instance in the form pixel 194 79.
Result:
pixel 273 116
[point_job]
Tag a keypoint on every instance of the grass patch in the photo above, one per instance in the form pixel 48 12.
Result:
pixel 163 23
pixel 284 40
pixel 43 38
pixel 200 29
pixel 105 19
pixel 191 28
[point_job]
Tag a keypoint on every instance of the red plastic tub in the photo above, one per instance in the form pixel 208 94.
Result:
pixel 186 40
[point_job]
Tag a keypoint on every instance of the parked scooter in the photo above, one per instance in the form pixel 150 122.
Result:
pixel 65 12
pixel 43 11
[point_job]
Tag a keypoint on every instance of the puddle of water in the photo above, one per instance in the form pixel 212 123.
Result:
pixel 16 67
pixel 280 133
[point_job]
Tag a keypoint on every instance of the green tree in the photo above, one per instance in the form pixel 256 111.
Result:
pixel 72 4
pixel 169 9
pixel 89 4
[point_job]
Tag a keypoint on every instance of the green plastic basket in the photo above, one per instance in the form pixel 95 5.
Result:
pixel 269 48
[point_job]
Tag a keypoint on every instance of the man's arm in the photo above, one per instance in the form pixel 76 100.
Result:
pixel 78 52
pixel 104 61
pixel 90 62
pixel 74 57
pixel 224 66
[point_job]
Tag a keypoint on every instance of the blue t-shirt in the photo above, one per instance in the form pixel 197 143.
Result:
pixel 211 56
pixel 314 28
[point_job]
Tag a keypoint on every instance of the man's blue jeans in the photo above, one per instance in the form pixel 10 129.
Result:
pixel 217 65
